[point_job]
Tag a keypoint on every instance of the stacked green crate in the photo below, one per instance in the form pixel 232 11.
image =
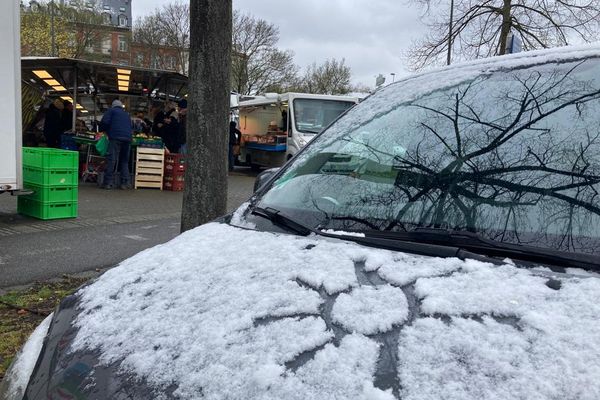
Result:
pixel 52 175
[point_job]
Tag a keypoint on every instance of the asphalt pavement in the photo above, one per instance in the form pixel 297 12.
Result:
pixel 111 226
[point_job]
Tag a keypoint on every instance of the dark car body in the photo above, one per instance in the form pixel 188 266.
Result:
pixel 439 240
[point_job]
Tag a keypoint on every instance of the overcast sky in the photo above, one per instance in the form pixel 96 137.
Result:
pixel 371 35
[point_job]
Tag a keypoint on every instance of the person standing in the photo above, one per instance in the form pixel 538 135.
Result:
pixel 234 137
pixel 182 125
pixel 67 117
pixel 171 131
pixel 53 124
pixel 116 122
pixel 158 118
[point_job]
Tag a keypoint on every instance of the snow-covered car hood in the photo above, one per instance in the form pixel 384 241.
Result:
pixel 222 312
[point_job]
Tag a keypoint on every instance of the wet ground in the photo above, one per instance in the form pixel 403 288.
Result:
pixel 111 226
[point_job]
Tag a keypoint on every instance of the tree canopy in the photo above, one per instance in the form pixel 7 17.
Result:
pixel 76 30
pixel 166 27
pixel 331 77
pixel 482 28
pixel 257 64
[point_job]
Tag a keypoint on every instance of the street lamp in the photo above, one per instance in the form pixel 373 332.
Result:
pixel 393 74
pixel 53 40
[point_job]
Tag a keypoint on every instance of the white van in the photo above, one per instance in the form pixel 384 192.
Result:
pixel 276 126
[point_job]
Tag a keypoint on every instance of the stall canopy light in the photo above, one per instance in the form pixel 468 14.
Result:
pixel 84 111
pixel 123 71
pixel 123 83
pixel 59 88
pixel 123 78
pixel 79 107
pixel 123 88
pixel 68 98
pixel 52 82
pixel 42 74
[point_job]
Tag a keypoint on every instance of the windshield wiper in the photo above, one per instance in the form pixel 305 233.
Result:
pixel 282 220
pixel 426 249
pixel 476 243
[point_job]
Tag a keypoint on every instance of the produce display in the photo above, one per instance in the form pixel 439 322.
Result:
pixel 146 140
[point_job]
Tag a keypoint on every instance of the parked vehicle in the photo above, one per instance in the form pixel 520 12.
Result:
pixel 11 179
pixel 276 126
pixel 438 241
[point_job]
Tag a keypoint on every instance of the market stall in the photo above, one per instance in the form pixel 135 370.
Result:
pixel 90 88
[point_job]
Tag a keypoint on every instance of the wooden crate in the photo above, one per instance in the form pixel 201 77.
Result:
pixel 149 168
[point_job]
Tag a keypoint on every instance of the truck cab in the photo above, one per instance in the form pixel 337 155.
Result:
pixel 276 126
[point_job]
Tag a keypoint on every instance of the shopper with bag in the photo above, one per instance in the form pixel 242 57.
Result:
pixel 116 122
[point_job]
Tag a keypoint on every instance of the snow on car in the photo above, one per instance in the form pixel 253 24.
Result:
pixel 452 253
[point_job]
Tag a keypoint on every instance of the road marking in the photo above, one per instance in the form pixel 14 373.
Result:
pixel 38 227
pixel 45 251
pixel 135 237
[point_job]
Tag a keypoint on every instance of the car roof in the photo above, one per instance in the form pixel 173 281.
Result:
pixel 419 84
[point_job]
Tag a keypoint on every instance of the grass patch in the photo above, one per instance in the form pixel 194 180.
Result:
pixel 22 310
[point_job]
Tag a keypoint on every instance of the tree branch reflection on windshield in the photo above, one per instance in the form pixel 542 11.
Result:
pixel 513 155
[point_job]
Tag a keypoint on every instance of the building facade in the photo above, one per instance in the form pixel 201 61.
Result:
pixel 114 45
pixel 109 37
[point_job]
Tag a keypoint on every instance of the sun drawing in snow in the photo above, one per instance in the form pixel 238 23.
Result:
pixel 313 318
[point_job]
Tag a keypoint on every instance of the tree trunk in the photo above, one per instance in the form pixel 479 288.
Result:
pixel 506 25
pixel 205 194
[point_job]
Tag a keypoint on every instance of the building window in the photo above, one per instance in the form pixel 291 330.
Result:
pixel 106 7
pixel 122 9
pixel 106 46
pixel 122 20
pixel 139 59
pixel 171 62
pixel 106 17
pixel 155 62
pixel 122 43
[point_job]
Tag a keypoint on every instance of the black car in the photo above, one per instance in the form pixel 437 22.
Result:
pixel 438 241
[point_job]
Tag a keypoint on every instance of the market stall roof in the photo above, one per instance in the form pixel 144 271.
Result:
pixel 99 83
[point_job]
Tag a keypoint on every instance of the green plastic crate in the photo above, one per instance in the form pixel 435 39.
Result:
pixel 45 158
pixel 50 177
pixel 46 210
pixel 51 193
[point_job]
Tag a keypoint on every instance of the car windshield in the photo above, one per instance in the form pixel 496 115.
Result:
pixel 512 155
pixel 313 115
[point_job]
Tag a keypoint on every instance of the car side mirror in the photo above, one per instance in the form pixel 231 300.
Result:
pixel 264 177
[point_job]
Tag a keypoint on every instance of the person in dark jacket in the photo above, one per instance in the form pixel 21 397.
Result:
pixel 170 132
pixel 182 126
pixel 67 116
pixel 157 119
pixel 116 122
pixel 53 124
pixel 234 138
